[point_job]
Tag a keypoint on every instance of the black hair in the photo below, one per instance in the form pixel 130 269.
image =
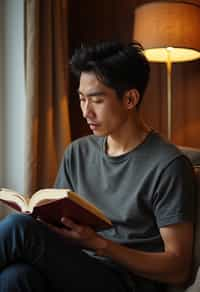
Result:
pixel 120 67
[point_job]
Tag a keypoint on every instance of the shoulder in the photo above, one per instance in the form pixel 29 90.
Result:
pixel 175 172
pixel 163 153
pixel 158 156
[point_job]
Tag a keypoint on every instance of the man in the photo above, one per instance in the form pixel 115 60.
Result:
pixel 141 182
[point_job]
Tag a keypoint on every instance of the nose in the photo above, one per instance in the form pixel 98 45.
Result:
pixel 87 109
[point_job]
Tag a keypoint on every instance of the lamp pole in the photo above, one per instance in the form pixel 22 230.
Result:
pixel 169 94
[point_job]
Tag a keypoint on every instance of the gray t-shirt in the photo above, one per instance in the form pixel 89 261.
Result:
pixel 150 187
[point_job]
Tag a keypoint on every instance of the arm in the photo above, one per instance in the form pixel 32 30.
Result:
pixel 171 266
pixel 172 204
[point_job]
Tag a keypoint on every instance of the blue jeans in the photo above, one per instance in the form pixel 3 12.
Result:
pixel 33 258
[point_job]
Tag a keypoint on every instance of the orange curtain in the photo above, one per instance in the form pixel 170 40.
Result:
pixel 46 72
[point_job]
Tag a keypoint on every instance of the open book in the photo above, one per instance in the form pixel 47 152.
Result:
pixel 52 204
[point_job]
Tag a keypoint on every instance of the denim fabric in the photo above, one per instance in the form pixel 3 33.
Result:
pixel 21 277
pixel 33 258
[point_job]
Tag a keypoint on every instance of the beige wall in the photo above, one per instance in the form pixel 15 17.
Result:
pixel 12 95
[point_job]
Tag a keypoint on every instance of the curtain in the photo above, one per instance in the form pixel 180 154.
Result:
pixel 46 73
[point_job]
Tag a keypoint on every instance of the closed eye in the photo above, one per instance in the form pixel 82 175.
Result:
pixel 82 99
pixel 97 99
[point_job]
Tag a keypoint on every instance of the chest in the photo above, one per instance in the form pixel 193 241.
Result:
pixel 122 190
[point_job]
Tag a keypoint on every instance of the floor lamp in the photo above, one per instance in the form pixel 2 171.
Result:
pixel 170 32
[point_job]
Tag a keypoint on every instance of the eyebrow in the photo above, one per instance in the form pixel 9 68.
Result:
pixel 94 93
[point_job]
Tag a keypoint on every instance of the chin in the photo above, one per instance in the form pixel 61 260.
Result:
pixel 100 133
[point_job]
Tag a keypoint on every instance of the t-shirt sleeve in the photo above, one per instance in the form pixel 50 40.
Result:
pixel 63 176
pixel 175 195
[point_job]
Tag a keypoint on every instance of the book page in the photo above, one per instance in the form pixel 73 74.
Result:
pixel 45 196
pixel 13 198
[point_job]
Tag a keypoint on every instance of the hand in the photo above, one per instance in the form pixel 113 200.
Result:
pixel 82 235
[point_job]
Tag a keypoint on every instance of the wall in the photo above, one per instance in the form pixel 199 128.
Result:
pixel 1 99
pixel 1 91
pixel 102 20
pixel 13 96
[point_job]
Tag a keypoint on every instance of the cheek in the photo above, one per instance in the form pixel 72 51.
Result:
pixel 101 111
pixel 110 113
pixel 113 118
pixel 116 112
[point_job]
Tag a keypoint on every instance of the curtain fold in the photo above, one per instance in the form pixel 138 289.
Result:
pixel 46 73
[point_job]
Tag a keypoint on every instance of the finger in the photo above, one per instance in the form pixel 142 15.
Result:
pixel 69 233
pixel 70 224
pixel 73 229
pixel 40 220
pixel 50 226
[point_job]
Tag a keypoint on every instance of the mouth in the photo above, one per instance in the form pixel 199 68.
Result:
pixel 93 126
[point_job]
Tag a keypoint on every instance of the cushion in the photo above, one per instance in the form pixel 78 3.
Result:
pixel 197 223
pixel 194 155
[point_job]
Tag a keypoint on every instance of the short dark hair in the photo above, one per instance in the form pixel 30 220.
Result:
pixel 121 67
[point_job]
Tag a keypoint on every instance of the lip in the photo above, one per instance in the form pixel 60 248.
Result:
pixel 93 126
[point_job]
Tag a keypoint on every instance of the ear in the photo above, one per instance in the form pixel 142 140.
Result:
pixel 131 98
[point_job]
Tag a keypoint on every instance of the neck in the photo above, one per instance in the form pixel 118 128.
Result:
pixel 128 137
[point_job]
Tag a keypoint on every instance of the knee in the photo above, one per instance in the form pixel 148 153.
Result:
pixel 21 277
pixel 16 272
pixel 18 219
pixel 17 224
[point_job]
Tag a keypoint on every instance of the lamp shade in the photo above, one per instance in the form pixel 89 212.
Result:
pixel 168 29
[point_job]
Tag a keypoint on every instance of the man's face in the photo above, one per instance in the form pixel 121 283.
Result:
pixel 104 112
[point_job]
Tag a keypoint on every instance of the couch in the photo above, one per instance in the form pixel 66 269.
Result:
pixel 194 286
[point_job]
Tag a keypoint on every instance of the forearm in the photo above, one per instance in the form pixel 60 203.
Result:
pixel 171 266
pixel 160 266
